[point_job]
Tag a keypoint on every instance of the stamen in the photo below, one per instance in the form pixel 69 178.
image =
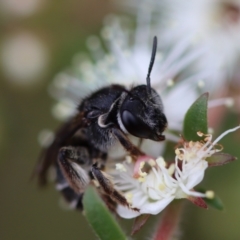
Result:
pixel 228 102
pixel 141 179
pixel 152 163
pixel 180 153
pixel 128 159
pixel 171 169
pixel 210 130
pixel 201 84
pixel 191 193
pixel 206 139
pixel 160 161
pixel 200 134
pixel 224 134
pixel 210 194
pixel 170 82
pixel 141 174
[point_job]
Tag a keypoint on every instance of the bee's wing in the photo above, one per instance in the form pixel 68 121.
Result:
pixel 49 156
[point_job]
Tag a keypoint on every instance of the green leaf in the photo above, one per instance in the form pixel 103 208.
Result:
pixel 100 218
pixel 216 203
pixel 218 159
pixel 196 119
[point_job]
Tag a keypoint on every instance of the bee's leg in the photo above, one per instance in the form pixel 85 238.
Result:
pixel 111 204
pixel 108 187
pixel 126 143
pixel 69 159
pixel 73 199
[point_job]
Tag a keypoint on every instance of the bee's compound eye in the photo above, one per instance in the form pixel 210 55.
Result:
pixel 135 125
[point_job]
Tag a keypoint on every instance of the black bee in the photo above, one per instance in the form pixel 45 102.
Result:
pixel 110 114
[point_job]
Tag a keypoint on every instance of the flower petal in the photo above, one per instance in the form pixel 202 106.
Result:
pixel 155 207
pixel 127 213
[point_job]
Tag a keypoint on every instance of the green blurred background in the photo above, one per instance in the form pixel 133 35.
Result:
pixel 60 28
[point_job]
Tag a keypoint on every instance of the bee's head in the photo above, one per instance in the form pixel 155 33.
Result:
pixel 141 111
pixel 142 114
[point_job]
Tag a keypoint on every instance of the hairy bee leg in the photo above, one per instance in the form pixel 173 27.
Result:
pixel 73 199
pixel 126 143
pixel 75 175
pixel 111 204
pixel 108 187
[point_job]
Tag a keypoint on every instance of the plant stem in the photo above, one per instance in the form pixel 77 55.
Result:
pixel 169 221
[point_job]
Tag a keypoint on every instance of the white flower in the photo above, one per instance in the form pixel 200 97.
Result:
pixel 192 157
pixel 150 192
pixel 151 185
pixel 213 25
pixel 210 25
pixel 126 63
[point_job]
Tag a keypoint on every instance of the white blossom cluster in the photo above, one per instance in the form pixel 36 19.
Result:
pixel 152 189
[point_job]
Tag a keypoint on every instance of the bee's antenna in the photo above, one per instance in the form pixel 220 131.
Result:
pixel 154 50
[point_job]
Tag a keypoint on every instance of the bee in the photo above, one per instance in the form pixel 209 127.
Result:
pixel 80 149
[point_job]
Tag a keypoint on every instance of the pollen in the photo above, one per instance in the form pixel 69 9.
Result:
pixel 210 194
pixel 200 134
pixel 140 172
pixel 161 187
pixel 170 82
pixel 208 138
pixel 201 84
pixel 177 151
pixel 191 144
pixel 120 167
pixel 179 154
pixel 152 163
pixel 171 169
pixel 160 161
pixel 141 179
